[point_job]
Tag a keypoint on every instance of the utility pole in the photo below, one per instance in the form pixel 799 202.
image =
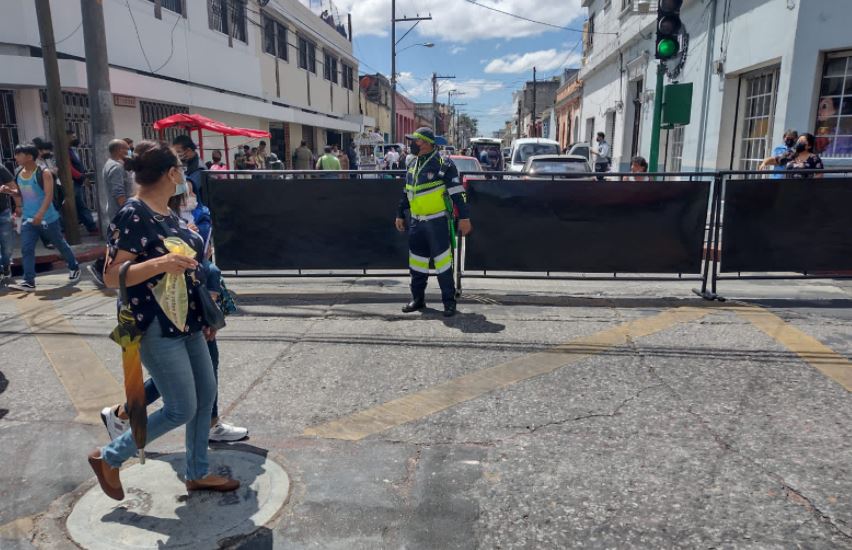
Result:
pixel 459 134
pixel 100 100
pixel 394 21
pixel 520 116
pixel 435 78
pixel 534 114
pixel 56 114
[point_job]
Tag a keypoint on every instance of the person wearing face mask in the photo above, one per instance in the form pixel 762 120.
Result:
pixel 432 189
pixel 802 157
pixel 176 357
pixel 786 148
pixel 84 215
pixel 115 418
pixel 116 176
pixel 602 155
pixel 193 166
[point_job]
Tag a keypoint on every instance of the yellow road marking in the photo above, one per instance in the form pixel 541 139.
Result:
pixel 438 398
pixel 821 357
pixel 89 385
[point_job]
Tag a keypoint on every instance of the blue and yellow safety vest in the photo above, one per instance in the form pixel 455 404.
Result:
pixel 431 188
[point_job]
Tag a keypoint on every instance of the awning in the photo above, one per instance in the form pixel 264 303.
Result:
pixel 199 122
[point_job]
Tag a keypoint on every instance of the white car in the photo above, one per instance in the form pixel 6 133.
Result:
pixel 524 148
pixel 555 166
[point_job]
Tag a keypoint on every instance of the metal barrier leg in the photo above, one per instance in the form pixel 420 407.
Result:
pixel 717 245
pixel 458 267
pixel 709 251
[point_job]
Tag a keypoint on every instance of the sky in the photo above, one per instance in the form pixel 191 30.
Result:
pixel 489 53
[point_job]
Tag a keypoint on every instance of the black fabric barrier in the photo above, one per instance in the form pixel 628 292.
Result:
pixel 587 226
pixel 795 225
pixel 272 224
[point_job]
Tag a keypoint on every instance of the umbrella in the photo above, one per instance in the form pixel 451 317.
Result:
pixel 128 336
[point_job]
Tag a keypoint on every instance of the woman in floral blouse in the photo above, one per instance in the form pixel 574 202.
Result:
pixel 175 355
pixel 802 157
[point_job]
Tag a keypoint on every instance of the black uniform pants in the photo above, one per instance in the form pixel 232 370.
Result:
pixel 430 240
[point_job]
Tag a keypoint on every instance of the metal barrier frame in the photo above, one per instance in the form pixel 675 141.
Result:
pixel 716 247
pixel 709 274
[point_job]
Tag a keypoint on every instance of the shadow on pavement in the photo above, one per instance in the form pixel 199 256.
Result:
pixel 195 507
pixel 4 383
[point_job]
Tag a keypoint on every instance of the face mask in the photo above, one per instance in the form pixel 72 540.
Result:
pixel 800 147
pixel 790 142
pixel 75 142
pixel 180 187
pixel 415 148
pixel 191 203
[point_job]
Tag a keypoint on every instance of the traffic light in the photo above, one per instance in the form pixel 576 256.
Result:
pixel 668 29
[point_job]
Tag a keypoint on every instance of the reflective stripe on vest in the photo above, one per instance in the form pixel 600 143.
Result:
pixel 444 261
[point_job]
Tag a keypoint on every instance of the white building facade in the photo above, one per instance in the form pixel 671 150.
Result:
pixel 278 68
pixel 758 67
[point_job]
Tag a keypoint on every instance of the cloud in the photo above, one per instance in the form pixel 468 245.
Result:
pixel 455 50
pixel 459 21
pixel 543 60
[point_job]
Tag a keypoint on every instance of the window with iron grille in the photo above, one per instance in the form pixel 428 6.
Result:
pixel 834 112
pixel 329 69
pixel 274 38
pixel 759 95
pixel 76 120
pixel 8 129
pixel 171 5
pixel 348 77
pixel 307 55
pixel 228 17
pixel 151 112
pixel 675 152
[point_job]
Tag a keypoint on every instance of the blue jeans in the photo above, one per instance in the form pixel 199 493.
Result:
pixel 5 240
pixel 152 393
pixel 29 238
pixel 84 215
pixel 183 372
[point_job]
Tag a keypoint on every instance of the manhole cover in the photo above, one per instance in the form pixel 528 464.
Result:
pixel 158 512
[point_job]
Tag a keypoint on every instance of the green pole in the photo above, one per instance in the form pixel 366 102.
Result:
pixel 653 161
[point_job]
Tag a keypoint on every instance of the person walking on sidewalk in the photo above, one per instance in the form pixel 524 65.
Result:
pixel 7 206
pixel 34 185
pixel 116 175
pixel 176 357
pixel 602 155
pixel 115 418
pixel 84 215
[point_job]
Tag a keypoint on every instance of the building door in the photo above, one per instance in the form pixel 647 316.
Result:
pixel 758 96
pixel 308 137
pixel 637 118
pixel 277 141
pixel 8 129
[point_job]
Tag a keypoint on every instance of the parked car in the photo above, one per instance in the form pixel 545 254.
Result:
pixel 581 149
pixel 466 165
pixel 555 166
pixel 524 148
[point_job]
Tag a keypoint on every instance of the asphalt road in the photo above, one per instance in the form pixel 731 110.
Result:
pixel 547 415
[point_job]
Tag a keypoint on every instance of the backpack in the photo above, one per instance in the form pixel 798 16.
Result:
pixel 58 190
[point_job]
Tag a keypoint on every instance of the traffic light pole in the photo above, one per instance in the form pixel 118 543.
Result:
pixel 654 157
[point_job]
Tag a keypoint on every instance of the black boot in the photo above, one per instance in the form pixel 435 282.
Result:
pixel 449 310
pixel 413 305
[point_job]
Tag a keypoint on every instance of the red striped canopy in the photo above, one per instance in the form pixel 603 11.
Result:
pixel 199 122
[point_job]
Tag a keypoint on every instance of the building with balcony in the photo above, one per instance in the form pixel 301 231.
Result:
pixel 278 67
pixel 757 66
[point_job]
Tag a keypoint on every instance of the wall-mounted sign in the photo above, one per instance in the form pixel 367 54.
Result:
pixel 123 100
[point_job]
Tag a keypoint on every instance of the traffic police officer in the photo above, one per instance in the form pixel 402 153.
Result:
pixel 432 187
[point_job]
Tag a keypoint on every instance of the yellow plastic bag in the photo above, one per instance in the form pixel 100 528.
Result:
pixel 171 292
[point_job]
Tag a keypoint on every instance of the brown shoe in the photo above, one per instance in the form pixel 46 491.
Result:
pixel 213 483
pixel 107 476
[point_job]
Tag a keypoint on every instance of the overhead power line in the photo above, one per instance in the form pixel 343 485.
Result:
pixel 528 20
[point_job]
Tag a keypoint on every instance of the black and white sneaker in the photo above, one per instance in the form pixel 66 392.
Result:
pixel 74 275
pixel 23 287
pixel 97 275
pixel 114 425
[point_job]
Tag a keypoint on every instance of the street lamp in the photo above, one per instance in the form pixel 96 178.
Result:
pixel 394 43
pixel 424 44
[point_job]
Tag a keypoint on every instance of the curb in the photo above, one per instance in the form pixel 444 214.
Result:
pixel 45 262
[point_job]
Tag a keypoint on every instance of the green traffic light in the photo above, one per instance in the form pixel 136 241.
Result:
pixel 667 48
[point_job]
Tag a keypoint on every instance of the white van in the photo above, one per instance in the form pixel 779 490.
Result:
pixel 524 148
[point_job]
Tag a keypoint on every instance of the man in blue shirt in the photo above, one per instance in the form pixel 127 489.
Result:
pixel 790 138
pixel 34 186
